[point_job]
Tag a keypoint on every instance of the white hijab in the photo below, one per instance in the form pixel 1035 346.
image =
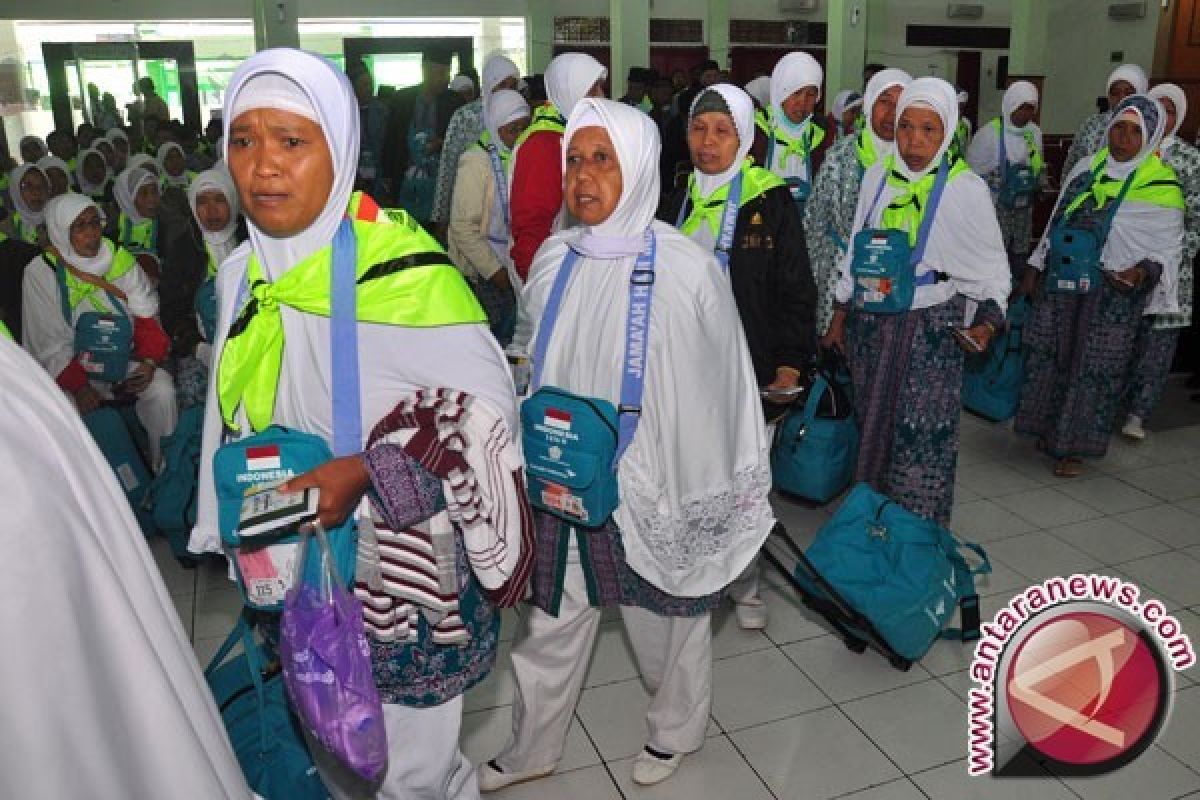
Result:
pixel 1152 120
pixel 496 68
pixel 935 94
pixel 845 100
pixel 464 357
pixel 86 186
pixel 983 154
pixel 220 243
pixel 163 151
pixel 1178 98
pixel 28 215
pixel 499 109
pixel 794 72
pixel 126 186
pixel 569 78
pixel 47 163
pixel 115 135
pixel 741 109
pixel 880 82
pixel 143 162
pixel 61 212
pixel 760 90
pixel 693 509
pixel 1133 74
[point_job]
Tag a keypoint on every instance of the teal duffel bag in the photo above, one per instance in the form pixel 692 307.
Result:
pixel 903 573
pixel 992 380
pixel 816 447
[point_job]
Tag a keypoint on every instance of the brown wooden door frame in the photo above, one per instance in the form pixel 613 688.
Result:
pixel 967 76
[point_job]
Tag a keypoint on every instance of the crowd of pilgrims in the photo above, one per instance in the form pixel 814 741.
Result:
pixel 549 200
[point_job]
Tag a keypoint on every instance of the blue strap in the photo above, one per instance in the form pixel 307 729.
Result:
pixel 60 273
pixel 806 137
pixel 637 329
pixel 935 198
pixel 815 392
pixel 733 203
pixel 964 586
pixel 343 341
pixel 500 180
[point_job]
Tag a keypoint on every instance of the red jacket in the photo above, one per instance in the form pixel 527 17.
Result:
pixel 149 341
pixel 537 196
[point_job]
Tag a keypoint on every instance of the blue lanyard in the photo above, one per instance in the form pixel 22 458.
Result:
pixel 806 139
pixel 64 294
pixel 501 183
pixel 637 330
pixel 733 203
pixel 935 198
pixel 343 340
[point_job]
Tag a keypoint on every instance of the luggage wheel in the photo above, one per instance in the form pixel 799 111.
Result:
pixel 900 663
pixel 855 645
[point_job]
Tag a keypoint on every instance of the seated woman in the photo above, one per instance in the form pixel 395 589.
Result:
pixel 30 191
pixel 108 151
pixel 57 173
pixel 292 127
pixel 120 143
pixel 691 510
pixel 172 163
pixel 1080 338
pixel 81 278
pixel 1007 153
pixel 930 219
pixel 746 217
pixel 479 218
pixel 829 213
pixel 138 199
pixel 94 177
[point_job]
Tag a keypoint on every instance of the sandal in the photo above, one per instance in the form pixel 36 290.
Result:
pixel 1068 468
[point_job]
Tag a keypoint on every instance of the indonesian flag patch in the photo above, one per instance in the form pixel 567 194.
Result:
pixel 556 418
pixel 262 457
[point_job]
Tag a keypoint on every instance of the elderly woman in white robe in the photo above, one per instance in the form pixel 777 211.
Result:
pixel 291 132
pixel 692 510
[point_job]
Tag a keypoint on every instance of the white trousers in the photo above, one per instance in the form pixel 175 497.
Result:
pixel 157 409
pixel 551 656
pixel 424 762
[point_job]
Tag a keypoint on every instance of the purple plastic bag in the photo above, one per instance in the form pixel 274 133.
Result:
pixel 327 665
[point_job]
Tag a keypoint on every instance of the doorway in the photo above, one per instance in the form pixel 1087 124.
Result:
pixel 967 77
pixel 395 61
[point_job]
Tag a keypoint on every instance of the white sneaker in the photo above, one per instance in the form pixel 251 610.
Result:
pixel 1133 428
pixel 751 614
pixel 492 778
pixel 649 769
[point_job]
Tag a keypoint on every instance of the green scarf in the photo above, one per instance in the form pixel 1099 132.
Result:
pixel 802 145
pixel 907 209
pixel 404 278
pixel 79 291
pixel 1036 162
pixel 1154 183
pixel 864 146
pixel 545 118
pixel 711 209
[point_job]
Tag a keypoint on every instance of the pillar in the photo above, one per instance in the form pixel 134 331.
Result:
pixel 630 40
pixel 276 23
pixel 1028 41
pixel 716 32
pixel 539 35
pixel 846 48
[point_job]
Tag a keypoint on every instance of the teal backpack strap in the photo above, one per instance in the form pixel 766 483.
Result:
pixel 964 585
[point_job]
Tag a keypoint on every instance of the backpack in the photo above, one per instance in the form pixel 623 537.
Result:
pixel 174 490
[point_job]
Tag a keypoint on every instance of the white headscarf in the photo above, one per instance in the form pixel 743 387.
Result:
pixel 125 189
pixel 86 186
pixel 165 150
pixel 880 82
pixel 845 100
pixel 61 213
pixel 115 135
pixel 741 109
pixel 310 86
pixel 760 90
pixel 983 154
pixel 1178 99
pixel 693 510
pixel 635 139
pixel 464 357
pixel 28 215
pixel 31 139
pixel 47 163
pixel 221 242
pixel 143 162
pixel 461 83
pixel 1151 118
pixel 794 72
pixel 935 94
pixel 569 78
pixel 499 109
pixel 1133 74
pixel 496 68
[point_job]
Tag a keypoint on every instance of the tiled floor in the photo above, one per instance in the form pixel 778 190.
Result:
pixel 795 715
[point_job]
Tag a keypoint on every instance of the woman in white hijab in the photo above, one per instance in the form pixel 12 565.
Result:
pixel 1007 153
pixel 796 137
pixel 30 193
pixel 1123 81
pixel 57 173
pixel 1158 332
pixel 103 651
pixel 692 510
pixel 94 176
pixel 905 358
pixel 138 199
pixel 479 220
pixel 120 143
pixel 829 213
pixel 83 272
pixel 847 111
pixel 274 367
pixel 214 203
pixel 466 126
pixel 1079 340
pixel 536 189
pixel 173 164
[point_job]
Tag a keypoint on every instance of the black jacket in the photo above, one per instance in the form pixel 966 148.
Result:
pixel 15 255
pixel 396 158
pixel 772 282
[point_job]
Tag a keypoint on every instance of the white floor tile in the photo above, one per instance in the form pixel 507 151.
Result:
pixel 902 789
pixel 1109 540
pixel 789 620
pixel 592 783
pixel 484 733
pixel 1172 576
pixel 1168 483
pixel 184 607
pixel 998 585
pixel 716 771
pixel 1154 775
pixel 994 479
pixel 728 638
pixel 1047 507
pixel 1106 493
pixel 217 610
pixel 844 675
pixel 1191 504
pixel 760 687
pixel 892 720
pixel 952 782
pixel 1171 524
pixel 1038 556
pixel 614 717
pixel 1181 736
pixel 814 756
pixel 985 521
pixel 964 495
